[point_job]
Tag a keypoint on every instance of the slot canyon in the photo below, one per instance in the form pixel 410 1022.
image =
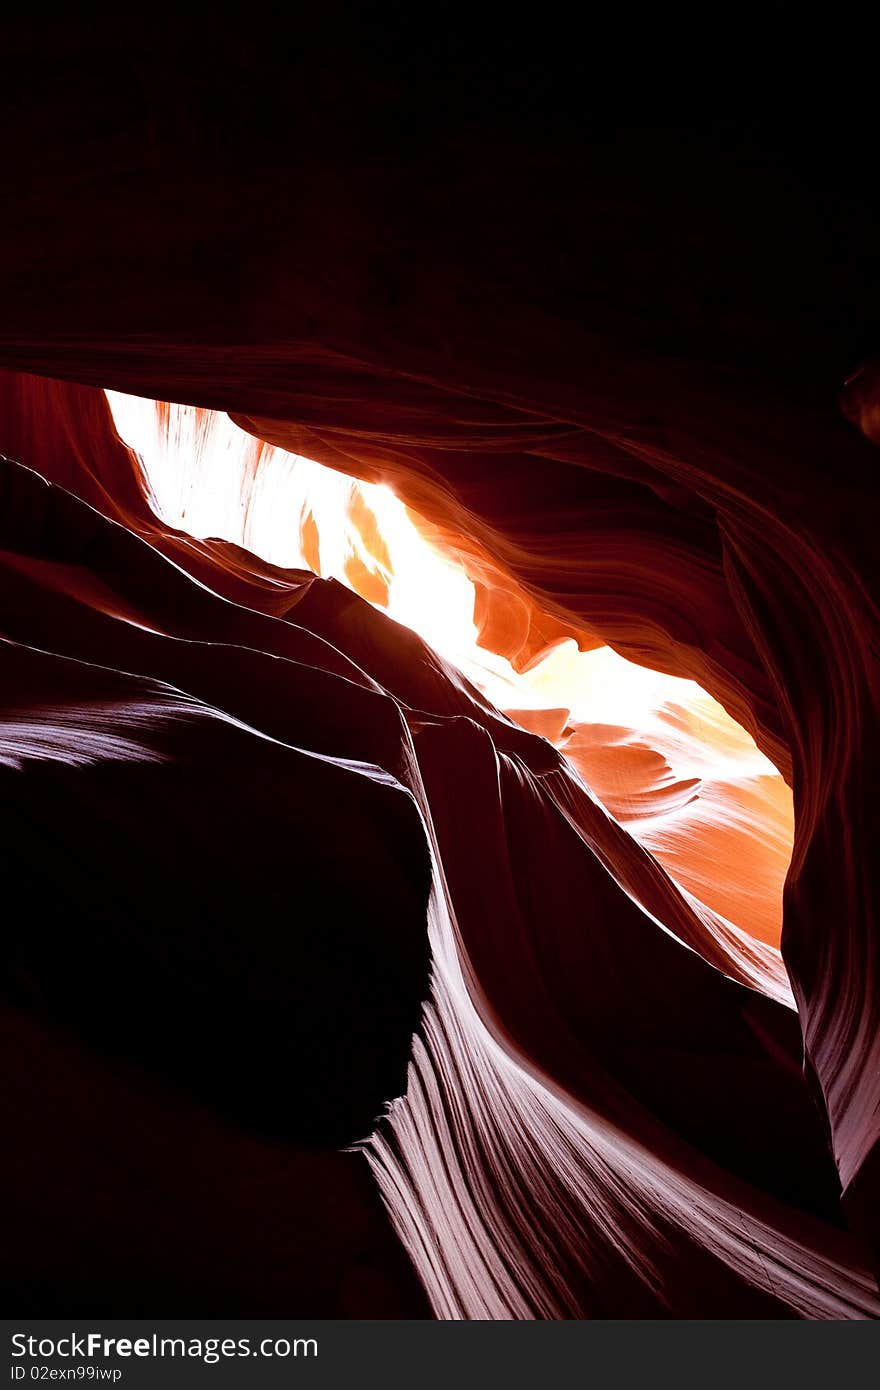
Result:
pixel 438 676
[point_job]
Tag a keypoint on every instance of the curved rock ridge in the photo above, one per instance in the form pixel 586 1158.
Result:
pixel 692 548
pixel 605 1112
pixel 677 750
pixel 595 313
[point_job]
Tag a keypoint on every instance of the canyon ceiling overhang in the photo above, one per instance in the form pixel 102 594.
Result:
pixel 599 353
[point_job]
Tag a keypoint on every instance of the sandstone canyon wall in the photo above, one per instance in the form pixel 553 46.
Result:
pixel 278 863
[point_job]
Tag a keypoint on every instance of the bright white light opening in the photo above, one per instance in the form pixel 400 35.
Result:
pixel 664 756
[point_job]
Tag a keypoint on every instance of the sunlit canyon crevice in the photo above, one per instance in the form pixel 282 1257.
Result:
pixel 661 755
pixel 438 687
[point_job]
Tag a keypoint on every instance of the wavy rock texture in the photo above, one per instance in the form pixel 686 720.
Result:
pixel 656 1117
pixel 598 352
pixel 674 767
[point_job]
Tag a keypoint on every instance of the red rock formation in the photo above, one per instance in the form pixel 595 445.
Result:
pixel 600 356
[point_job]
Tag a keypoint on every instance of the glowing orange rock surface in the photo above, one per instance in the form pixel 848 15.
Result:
pixel 539 860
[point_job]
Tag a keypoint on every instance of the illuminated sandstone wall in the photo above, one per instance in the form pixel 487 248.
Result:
pixel 599 347
pixel 586 1050
pixel 648 744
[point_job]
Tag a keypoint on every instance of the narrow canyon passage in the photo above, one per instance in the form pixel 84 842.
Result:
pixel 609 1039
pixel 439 696
pixel 646 743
